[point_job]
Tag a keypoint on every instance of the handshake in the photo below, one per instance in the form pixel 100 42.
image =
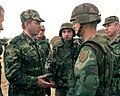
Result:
pixel 43 83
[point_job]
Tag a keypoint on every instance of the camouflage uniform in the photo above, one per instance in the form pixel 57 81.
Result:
pixel 115 82
pixel 60 62
pixel 44 46
pixel 23 62
pixel 91 70
pixel 43 42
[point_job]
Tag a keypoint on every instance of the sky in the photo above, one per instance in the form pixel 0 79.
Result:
pixel 54 12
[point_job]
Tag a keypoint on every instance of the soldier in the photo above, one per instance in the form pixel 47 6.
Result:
pixel 40 36
pixel 112 29
pixel 22 58
pixel 43 41
pixel 1 50
pixel 60 59
pixel 92 68
pixel 45 47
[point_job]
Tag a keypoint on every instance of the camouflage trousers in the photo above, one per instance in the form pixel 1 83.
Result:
pixel 115 87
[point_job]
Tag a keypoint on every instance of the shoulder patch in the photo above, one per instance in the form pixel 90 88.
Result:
pixel 83 55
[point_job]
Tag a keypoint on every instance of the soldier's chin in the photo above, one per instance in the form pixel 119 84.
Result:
pixel 108 34
pixel 68 39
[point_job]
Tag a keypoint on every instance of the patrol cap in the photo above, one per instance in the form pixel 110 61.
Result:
pixel 30 14
pixel 111 19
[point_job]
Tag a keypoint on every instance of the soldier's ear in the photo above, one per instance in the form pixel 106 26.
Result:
pixel 26 24
pixel 118 27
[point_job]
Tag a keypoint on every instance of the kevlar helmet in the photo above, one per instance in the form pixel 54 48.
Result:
pixel 85 13
pixel 66 26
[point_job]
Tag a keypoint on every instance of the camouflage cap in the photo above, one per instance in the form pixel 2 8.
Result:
pixel 111 19
pixel 30 14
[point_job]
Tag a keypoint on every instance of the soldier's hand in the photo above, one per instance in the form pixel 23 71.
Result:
pixel 42 83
